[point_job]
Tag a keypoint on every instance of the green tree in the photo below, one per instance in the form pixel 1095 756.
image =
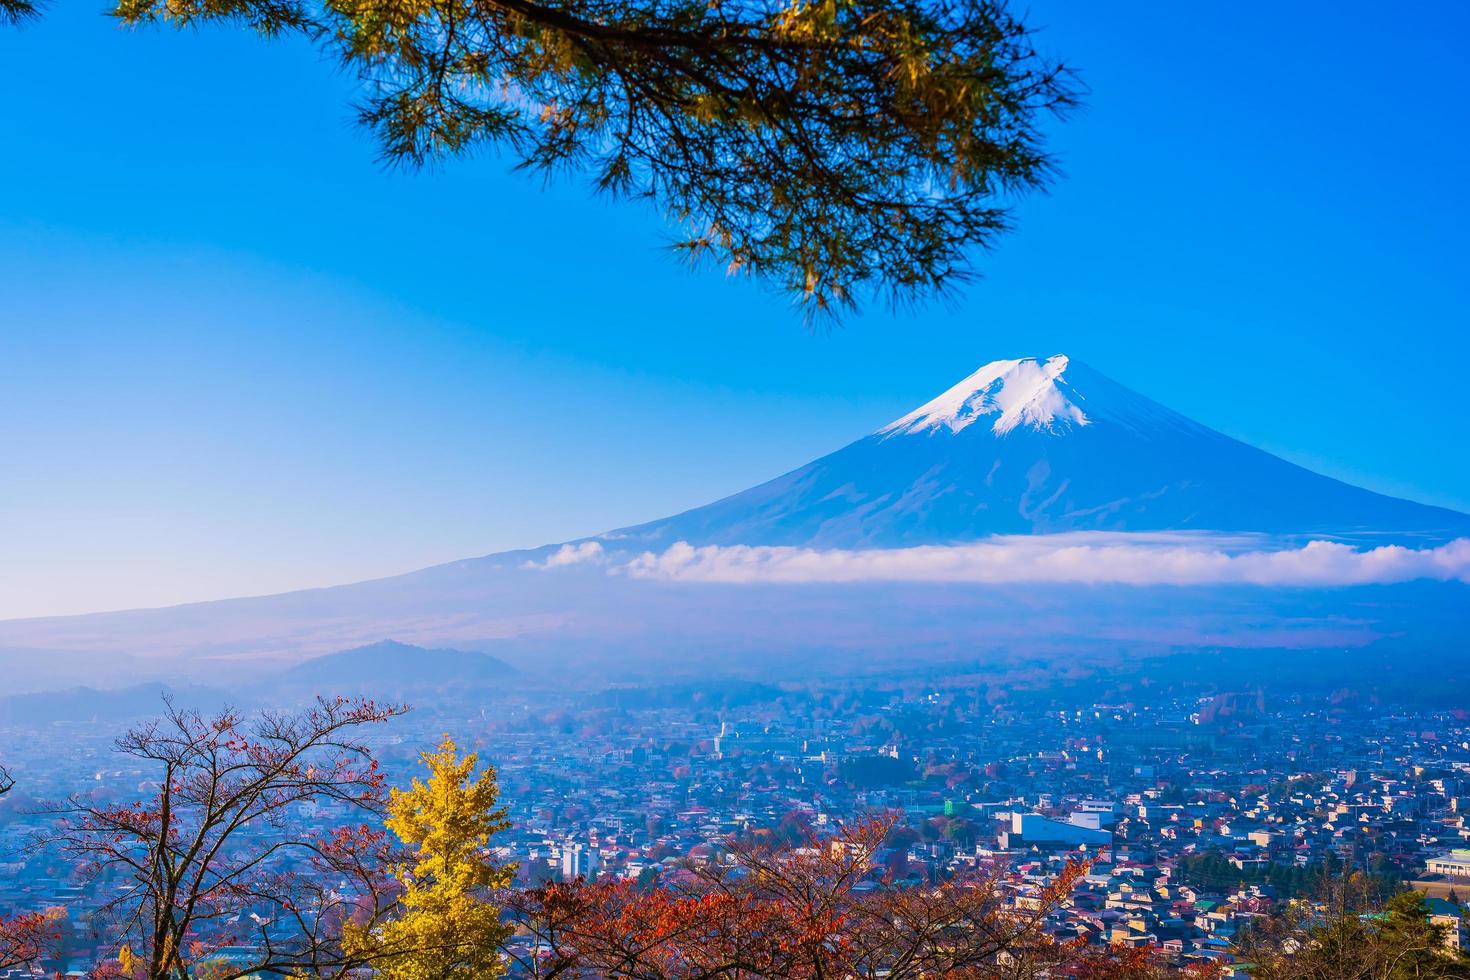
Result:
pixel 833 148
pixel 1345 936
pixel 961 832
pixel 1416 947
pixel 449 928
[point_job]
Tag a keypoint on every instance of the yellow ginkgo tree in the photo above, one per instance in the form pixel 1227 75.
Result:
pixel 450 926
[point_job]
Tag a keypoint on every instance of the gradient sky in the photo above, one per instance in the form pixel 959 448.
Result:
pixel 237 356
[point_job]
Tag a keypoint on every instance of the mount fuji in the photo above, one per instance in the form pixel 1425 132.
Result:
pixel 1063 511
pixel 1039 446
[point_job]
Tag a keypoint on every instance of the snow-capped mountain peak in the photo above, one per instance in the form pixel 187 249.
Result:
pixel 1030 392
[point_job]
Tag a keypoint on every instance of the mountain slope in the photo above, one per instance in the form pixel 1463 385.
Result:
pixel 1040 446
pixel 1019 447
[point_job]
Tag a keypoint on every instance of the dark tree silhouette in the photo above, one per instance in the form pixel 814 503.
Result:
pixel 15 11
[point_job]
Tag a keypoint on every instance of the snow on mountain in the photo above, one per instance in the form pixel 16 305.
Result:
pixel 1027 392
pixel 1042 445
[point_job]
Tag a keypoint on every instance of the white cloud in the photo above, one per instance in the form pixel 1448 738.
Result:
pixel 569 554
pixel 1131 559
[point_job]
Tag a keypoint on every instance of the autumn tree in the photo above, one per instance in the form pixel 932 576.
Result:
pixel 1115 962
pixel 820 910
pixel 218 856
pixel 25 939
pixel 446 926
pixel 833 148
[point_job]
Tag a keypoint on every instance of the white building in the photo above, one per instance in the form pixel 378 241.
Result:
pixel 1455 864
pixel 1036 830
pixel 578 861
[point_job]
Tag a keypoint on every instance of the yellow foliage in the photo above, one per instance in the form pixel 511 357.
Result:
pixel 450 928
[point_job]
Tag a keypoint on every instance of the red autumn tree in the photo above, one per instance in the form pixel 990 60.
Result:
pixel 809 912
pixel 1131 963
pixel 24 939
pixel 211 860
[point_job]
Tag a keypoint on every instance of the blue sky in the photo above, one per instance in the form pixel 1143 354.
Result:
pixel 237 356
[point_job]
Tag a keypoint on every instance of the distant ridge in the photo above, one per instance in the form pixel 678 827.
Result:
pixel 389 666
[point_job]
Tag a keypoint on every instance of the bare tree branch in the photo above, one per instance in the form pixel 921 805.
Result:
pixel 214 858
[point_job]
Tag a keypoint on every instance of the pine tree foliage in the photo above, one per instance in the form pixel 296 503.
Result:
pixel 449 926
pixel 1347 936
pixel 14 12
pixel 838 149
